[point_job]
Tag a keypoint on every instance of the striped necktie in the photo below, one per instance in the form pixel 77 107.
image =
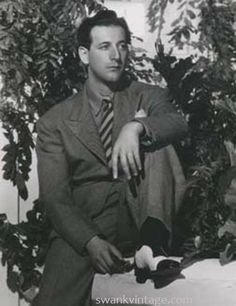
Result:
pixel 105 130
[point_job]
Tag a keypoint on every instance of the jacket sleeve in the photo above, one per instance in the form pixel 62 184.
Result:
pixel 55 193
pixel 163 124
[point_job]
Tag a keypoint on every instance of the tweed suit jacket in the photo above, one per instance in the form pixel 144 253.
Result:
pixel 74 178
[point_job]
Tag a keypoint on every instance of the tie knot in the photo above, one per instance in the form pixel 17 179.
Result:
pixel 107 101
pixel 107 104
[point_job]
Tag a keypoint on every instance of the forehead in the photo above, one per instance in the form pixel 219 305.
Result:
pixel 111 33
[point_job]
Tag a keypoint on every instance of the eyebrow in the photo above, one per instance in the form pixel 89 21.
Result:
pixel 108 42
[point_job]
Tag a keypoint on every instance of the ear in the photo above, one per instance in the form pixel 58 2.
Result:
pixel 83 54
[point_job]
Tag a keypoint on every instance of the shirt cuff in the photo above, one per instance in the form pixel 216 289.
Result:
pixel 146 137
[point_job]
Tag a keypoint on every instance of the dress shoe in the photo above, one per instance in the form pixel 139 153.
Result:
pixel 155 268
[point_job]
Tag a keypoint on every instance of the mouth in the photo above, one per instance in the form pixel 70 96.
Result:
pixel 114 67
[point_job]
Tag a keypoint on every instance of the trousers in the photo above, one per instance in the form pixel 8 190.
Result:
pixel 68 276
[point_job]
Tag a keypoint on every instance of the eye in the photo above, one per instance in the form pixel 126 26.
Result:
pixel 104 46
pixel 123 46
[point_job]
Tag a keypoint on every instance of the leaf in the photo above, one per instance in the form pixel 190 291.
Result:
pixel 6 147
pixel 30 293
pixel 3 218
pixel 197 242
pixel 228 227
pixel 191 14
pixel 21 186
pixel 13 281
pixel 227 255
pixel 177 21
pixel 27 58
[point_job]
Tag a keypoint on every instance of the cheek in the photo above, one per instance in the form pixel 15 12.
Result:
pixel 98 61
pixel 124 57
pixel 96 64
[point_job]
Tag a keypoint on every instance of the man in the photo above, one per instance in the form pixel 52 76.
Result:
pixel 89 160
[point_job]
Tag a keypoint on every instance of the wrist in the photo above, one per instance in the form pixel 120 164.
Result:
pixel 138 127
pixel 92 242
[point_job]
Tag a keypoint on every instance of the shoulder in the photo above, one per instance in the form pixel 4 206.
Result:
pixel 57 113
pixel 148 90
pixel 140 87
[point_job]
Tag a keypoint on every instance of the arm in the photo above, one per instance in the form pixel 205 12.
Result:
pixel 161 125
pixel 69 221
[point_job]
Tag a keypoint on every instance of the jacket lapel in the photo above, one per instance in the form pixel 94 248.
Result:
pixel 83 126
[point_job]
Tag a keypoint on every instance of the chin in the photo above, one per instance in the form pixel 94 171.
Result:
pixel 113 78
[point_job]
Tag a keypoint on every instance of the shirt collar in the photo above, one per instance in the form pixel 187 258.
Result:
pixel 96 96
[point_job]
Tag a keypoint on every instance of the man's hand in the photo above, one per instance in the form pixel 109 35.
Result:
pixel 105 257
pixel 126 150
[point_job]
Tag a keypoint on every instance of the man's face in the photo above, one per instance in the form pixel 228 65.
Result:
pixel 107 55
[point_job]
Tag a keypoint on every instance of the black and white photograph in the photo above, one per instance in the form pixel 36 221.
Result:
pixel 118 152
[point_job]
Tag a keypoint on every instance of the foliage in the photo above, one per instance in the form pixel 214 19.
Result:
pixel 24 247
pixel 203 87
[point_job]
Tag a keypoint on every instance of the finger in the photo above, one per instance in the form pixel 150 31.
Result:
pixel 124 165
pixel 138 159
pixel 118 261
pixel 132 163
pixel 101 268
pixel 115 164
pixel 108 257
pixel 103 263
pixel 109 262
pixel 116 253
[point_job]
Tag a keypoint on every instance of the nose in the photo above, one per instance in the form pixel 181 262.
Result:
pixel 115 53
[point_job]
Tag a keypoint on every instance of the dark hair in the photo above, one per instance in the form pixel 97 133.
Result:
pixel 102 18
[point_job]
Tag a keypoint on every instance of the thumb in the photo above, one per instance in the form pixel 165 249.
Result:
pixel 116 253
